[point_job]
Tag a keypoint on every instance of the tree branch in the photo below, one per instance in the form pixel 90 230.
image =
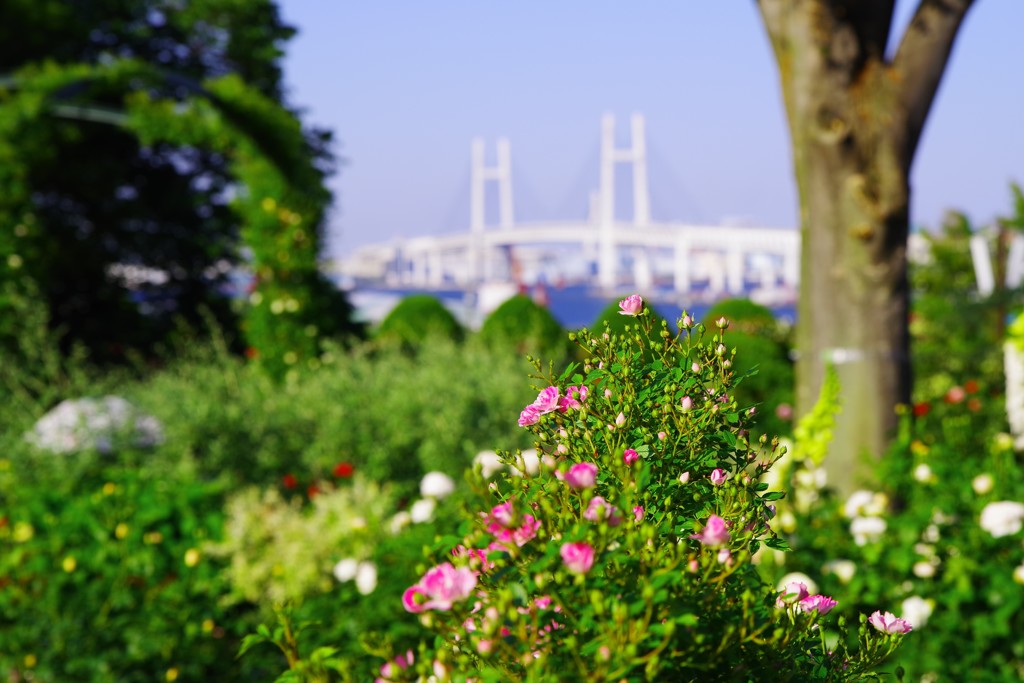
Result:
pixel 921 60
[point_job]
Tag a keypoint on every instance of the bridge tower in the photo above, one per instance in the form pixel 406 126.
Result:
pixel 480 173
pixel 635 154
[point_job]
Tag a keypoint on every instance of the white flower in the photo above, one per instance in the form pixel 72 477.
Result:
pixel 923 473
pixel 436 485
pixel 931 534
pixel 856 503
pixel 489 462
pixel 916 610
pixel 422 510
pixel 811 478
pixel 843 569
pixel 867 529
pixel 366 578
pixel 399 521
pixel 530 463
pixel 1018 574
pixel 346 569
pixel 1003 518
pixel 982 484
pixel 924 570
pixel 797 577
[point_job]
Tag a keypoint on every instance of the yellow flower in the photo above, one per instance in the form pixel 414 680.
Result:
pixel 121 530
pixel 70 564
pixel 30 661
pixel 172 673
pixel 191 557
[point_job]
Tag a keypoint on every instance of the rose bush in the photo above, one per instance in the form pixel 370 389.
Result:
pixel 554 579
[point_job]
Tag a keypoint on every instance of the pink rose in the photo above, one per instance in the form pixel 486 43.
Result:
pixel 392 669
pixel 527 531
pixel 529 416
pixel 578 557
pixel 794 592
pixel 599 509
pixel 718 476
pixel 687 404
pixel 631 305
pixel 638 513
pixel 629 456
pixel 715 532
pixel 501 517
pixel 822 604
pixel 439 589
pixel 547 400
pixel 889 623
pixel 573 399
pixel 582 475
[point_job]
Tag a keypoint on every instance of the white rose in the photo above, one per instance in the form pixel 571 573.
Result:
pixel 489 462
pixel 366 578
pixel 982 484
pixel 436 485
pixel 856 503
pixel 924 570
pixel 916 610
pixel 843 569
pixel 400 521
pixel 1003 518
pixel 530 463
pixel 422 510
pixel 346 569
pixel 867 529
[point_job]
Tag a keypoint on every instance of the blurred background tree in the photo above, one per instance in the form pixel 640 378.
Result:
pixel 139 236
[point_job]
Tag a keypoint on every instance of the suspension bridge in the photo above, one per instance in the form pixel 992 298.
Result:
pixel 682 261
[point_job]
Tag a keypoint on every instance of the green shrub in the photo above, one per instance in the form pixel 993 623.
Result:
pixel 379 409
pixel 416 318
pixel 103 577
pixel 522 326
pixel 762 358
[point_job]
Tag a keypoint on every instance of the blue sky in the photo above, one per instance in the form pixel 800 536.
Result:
pixel 406 84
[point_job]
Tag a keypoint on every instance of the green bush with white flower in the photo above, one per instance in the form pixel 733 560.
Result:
pixel 938 537
pixel 626 554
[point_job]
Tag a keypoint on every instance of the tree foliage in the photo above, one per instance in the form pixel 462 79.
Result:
pixel 147 160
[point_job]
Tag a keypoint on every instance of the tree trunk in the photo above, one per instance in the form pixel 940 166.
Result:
pixel 855 119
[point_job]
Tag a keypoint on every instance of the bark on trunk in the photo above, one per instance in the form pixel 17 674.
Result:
pixel 855 119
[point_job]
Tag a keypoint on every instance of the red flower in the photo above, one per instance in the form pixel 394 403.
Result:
pixel 921 409
pixel 973 404
pixel 313 491
pixel 343 470
pixel 289 481
pixel 251 353
pixel 971 386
